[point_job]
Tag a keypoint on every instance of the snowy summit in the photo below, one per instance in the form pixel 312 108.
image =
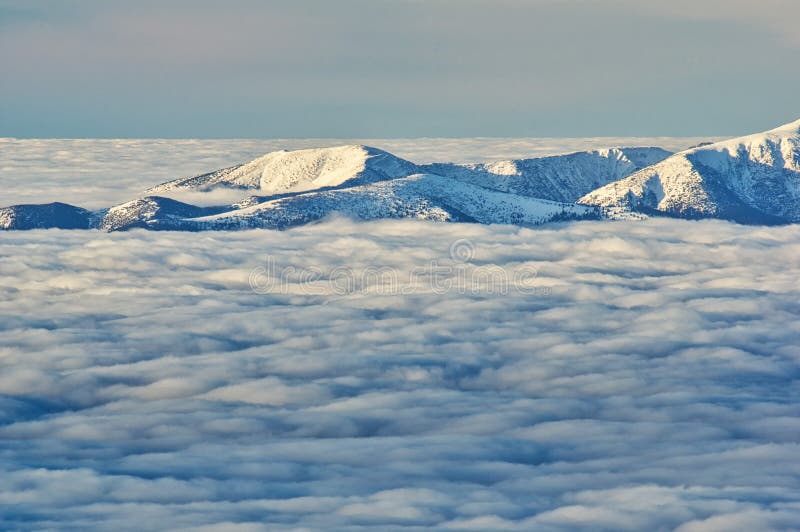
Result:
pixel 753 179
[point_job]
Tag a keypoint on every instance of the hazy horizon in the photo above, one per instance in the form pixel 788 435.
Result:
pixel 396 69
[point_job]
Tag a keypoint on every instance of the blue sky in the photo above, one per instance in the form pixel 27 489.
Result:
pixel 396 68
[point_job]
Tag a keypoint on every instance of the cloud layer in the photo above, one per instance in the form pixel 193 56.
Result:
pixel 650 383
pixel 96 173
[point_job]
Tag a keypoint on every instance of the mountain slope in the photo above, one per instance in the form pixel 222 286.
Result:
pixel 301 170
pixel 46 216
pixel 752 179
pixel 139 212
pixel 430 197
pixel 563 178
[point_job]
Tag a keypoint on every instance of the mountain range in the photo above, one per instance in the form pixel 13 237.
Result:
pixel 753 179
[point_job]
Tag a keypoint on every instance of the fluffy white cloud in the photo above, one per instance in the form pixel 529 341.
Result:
pixel 653 385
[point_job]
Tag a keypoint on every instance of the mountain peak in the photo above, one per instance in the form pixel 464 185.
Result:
pixel 755 178
pixel 45 216
pixel 563 178
pixel 792 129
pixel 300 170
pixel 794 126
pixel 751 179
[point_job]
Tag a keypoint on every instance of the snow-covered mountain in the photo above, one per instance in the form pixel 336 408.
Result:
pixel 301 170
pixel 140 212
pixel 296 187
pixel 752 179
pixel 46 216
pixel 423 196
pixel 562 178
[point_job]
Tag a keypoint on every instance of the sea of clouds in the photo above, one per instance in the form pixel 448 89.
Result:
pixel 649 381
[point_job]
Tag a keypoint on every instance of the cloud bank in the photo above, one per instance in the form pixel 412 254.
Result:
pixel 652 382
pixel 96 173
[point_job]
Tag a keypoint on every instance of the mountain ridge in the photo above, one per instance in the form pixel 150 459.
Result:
pixel 750 179
pixel 562 178
pixel 301 170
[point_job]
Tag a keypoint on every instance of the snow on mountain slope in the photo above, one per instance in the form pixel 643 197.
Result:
pixel 301 170
pixel 46 216
pixel 139 212
pixel 748 179
pixel 563 178
pixel 423 196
